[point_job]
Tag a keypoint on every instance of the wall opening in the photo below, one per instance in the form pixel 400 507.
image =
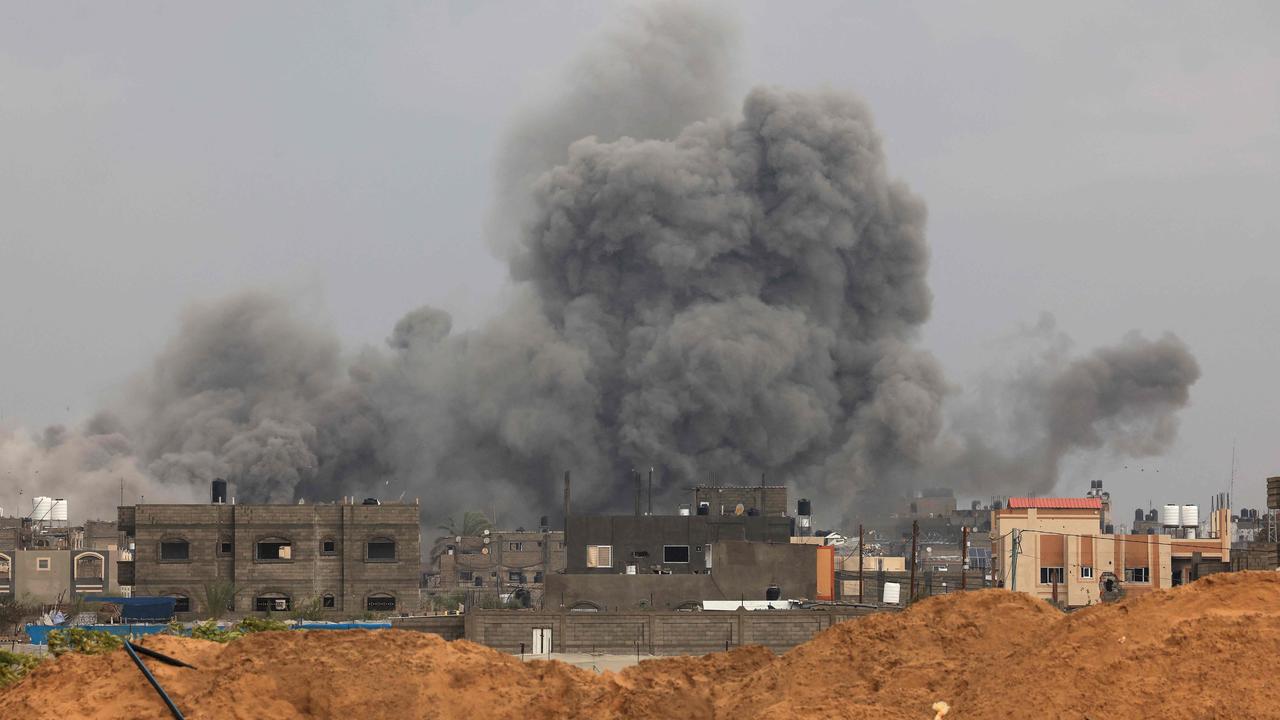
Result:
pixel 175 549
pixel 274 549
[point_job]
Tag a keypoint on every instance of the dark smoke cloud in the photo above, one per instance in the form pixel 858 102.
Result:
pixel 718 295
pixel 1122 400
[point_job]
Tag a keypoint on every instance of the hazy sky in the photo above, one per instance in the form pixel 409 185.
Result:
pixel 1118 167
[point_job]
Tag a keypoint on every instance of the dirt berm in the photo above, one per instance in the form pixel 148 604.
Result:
pixel 1194 652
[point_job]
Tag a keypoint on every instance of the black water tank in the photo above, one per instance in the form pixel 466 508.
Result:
pixel 371 501
pixel 1138 515
pixel 220 491
pixel 773 592
pixel 804 507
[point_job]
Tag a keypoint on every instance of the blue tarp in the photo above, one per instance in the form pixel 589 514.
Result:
pixel 343 626
pixel 39 634
pixel 139 609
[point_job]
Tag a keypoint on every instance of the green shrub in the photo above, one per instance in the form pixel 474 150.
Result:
pixel 210 631
pixel 89 642
pixel 14 665
pixel 312 609
pixel 254 624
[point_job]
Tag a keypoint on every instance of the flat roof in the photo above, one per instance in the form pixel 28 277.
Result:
pixel 1055 503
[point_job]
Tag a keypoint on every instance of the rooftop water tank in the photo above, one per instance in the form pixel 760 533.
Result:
pixel 58 513
pixel 1191 533
pixel 1138 515
pixel 1169 516
pixel 42 509
pixel 1190 516
pixel 804 507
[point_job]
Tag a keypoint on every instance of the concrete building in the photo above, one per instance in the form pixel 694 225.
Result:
pixel 352 558
pixel 1052 548
pixel 498 561
pixel 47 576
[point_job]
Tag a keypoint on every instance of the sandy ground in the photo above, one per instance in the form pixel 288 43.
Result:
pixel 1186 653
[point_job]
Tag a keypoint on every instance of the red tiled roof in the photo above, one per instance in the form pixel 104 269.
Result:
pixel 1056 503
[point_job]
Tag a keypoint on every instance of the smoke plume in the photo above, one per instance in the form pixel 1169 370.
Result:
pixel 715 294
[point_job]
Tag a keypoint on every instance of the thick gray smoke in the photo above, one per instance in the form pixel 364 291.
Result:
pixel 717 295
pixel 1015 432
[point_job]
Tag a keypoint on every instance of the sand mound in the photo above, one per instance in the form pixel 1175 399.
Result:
pixel 988 654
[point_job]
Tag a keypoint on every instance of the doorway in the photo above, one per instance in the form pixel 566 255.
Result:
pixel 542 641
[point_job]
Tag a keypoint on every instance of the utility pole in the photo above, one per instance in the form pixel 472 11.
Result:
pixel 862 560
pixel 964 556
pixel 915 534
pixel 1015 549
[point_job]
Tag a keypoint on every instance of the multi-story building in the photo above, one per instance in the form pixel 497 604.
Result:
pixel 498 561
pixel 351 558
pixel 44 564
pixel 1052 548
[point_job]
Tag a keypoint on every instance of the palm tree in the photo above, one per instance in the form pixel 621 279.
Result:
pixel 473 524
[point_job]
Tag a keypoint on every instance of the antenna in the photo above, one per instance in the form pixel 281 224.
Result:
pixel 1231 485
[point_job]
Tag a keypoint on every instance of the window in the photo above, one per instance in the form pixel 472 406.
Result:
pixel 1086 572
pixel 464 575
pixel 599 556
pixel 6 567
pixel 515 546
pixel 328 546
pixel 271 602
pixel 675 553
pixel 89 567
pixel 175 550
pixel 1138 575
pixel 181 603
pixel 515 576
pixel 226 547
pixel 380 603
pixel 274 549
pixel 479 582
pixel 639 554
pixel 381 549
pixel 42 563
pixel 328 602
pixel 1049 575
pixel 537 577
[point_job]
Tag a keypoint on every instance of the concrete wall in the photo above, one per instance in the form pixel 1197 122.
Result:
pixel 639 540
pixel 739 570
pixel 449 627
pixel 768 499
pixel 658 633
pixel 60 578
pixel 309 573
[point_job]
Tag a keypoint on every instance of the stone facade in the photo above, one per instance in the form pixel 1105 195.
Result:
pixel 509 560
pixel 354 558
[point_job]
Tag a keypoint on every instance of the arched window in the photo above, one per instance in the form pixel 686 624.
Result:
pixel 274 549
pixel 181 603
pixel 89 567
pixel 6 567
pixel 380 602
pixel 175 549
pixel 328 546
pixel 268 602
pixel 380 549
pixel 328 602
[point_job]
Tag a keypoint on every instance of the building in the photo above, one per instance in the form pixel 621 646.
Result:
pixel 348 558
pixel 46 563
pixel 1052 548
pixel 497 561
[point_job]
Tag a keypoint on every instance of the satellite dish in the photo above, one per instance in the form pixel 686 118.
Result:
pixel 457 538
pixel 738 509
pixel 486 540
pixel 484 551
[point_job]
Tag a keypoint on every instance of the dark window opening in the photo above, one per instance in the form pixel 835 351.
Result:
pixel 181 603
pixel 328 547
pixel 328 601
pixel 479 582
pixel 225 548
pixel 515 576
pixel 381 549
pixel 675 554
pixel 380 603
pixel 268 603
pixel 464 575
pixel 175 550
pixel 537 577
pixel 1137 574
pixel 639 553
pixel 275 549
pixel 1050 575
pixel 89 567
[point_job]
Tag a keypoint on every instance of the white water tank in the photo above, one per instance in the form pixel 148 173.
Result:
pixel 59 512
pixel 1169 516
pixel 42 509
pixel 1190 516
pixel 1191 533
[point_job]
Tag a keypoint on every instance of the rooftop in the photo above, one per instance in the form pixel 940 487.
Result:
pixel 1055 503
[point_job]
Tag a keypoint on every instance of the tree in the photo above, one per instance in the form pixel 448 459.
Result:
pixel 218 598
pixel 473 524
pixel 13 612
